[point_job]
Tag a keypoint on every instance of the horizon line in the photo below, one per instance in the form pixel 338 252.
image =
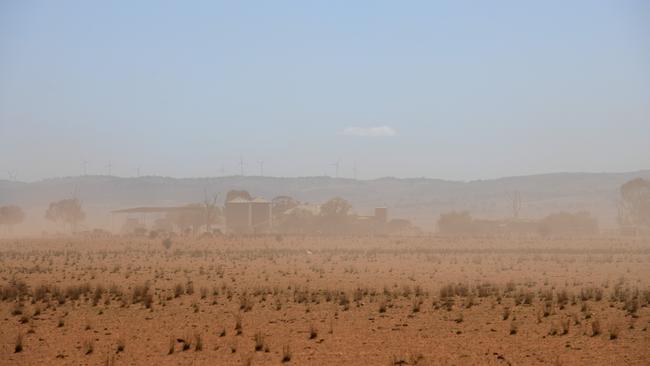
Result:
pixel 644 170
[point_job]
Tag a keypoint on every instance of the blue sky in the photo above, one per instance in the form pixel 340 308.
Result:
pixel 453 90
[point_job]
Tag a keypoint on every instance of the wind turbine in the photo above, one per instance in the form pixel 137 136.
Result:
pixel 241 165
pixel 354 171
pixel 85 166
pixel 336 164
pixel 109 167
pixel 516 204
pixel 261 164
pixel 12 175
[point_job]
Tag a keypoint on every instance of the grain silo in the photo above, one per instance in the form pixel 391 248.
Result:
pixel 238 215
pixel 260 215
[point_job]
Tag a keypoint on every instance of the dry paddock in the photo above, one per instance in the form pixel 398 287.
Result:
pixel 325 300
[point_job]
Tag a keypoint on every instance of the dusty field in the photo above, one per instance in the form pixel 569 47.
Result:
pixel 321 301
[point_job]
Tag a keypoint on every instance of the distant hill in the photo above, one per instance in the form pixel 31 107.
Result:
pixel 418 199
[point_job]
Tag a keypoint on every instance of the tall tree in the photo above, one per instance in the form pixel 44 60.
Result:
pixel 233 193
pixel 335 207
pixel 334 215
pixel 281 204
pixel 635 203
pixel 456 223
pixel 566 223
pixel 66 212
pixel 10 216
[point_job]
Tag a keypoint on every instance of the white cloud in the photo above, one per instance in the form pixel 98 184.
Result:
pixel 377 131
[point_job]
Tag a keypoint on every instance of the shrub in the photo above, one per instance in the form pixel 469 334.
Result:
pixel 548 308
pixel 527 298
pixel 178 290
pixel 187 344
pixel 613 331
pixel 415 308
pixel 286 353
pixel 40 292
pixel 513 328
pixel 171 345
pixel 259 341
pixel 97 295
pixel 631 306
pixel 565 323
pixel 448 303
pixel 313 332
pixel 120 345
pixel 19 343
pixel 141 294
pixel 506 313
pixel 17 309
pixel 382 306
pixel 238 326
pixel 344 300
pixel 245 302
pixel 88 346
pixel 459 319
pixel 595 328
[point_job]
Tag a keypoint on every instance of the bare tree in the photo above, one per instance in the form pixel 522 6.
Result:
pixel 211 210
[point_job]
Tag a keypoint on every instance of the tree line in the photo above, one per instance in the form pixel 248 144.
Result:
pixel 334 216
pixel 633 205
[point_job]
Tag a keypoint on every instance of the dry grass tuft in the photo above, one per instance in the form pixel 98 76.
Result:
pixel 88 346
pixel 595 328
pixel 613 330
pixel 513 327
pixel 259 341
pixel 172 343
pixel 18 347
pixel 286 353
pixel 120 345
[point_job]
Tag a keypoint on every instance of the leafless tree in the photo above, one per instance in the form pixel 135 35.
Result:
pixel 211 209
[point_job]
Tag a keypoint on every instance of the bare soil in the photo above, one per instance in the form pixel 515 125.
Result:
pixel 325 300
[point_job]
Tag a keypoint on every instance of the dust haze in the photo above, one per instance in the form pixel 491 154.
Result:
pixel 324 183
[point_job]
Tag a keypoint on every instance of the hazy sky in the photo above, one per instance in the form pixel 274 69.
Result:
pixel 455 90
